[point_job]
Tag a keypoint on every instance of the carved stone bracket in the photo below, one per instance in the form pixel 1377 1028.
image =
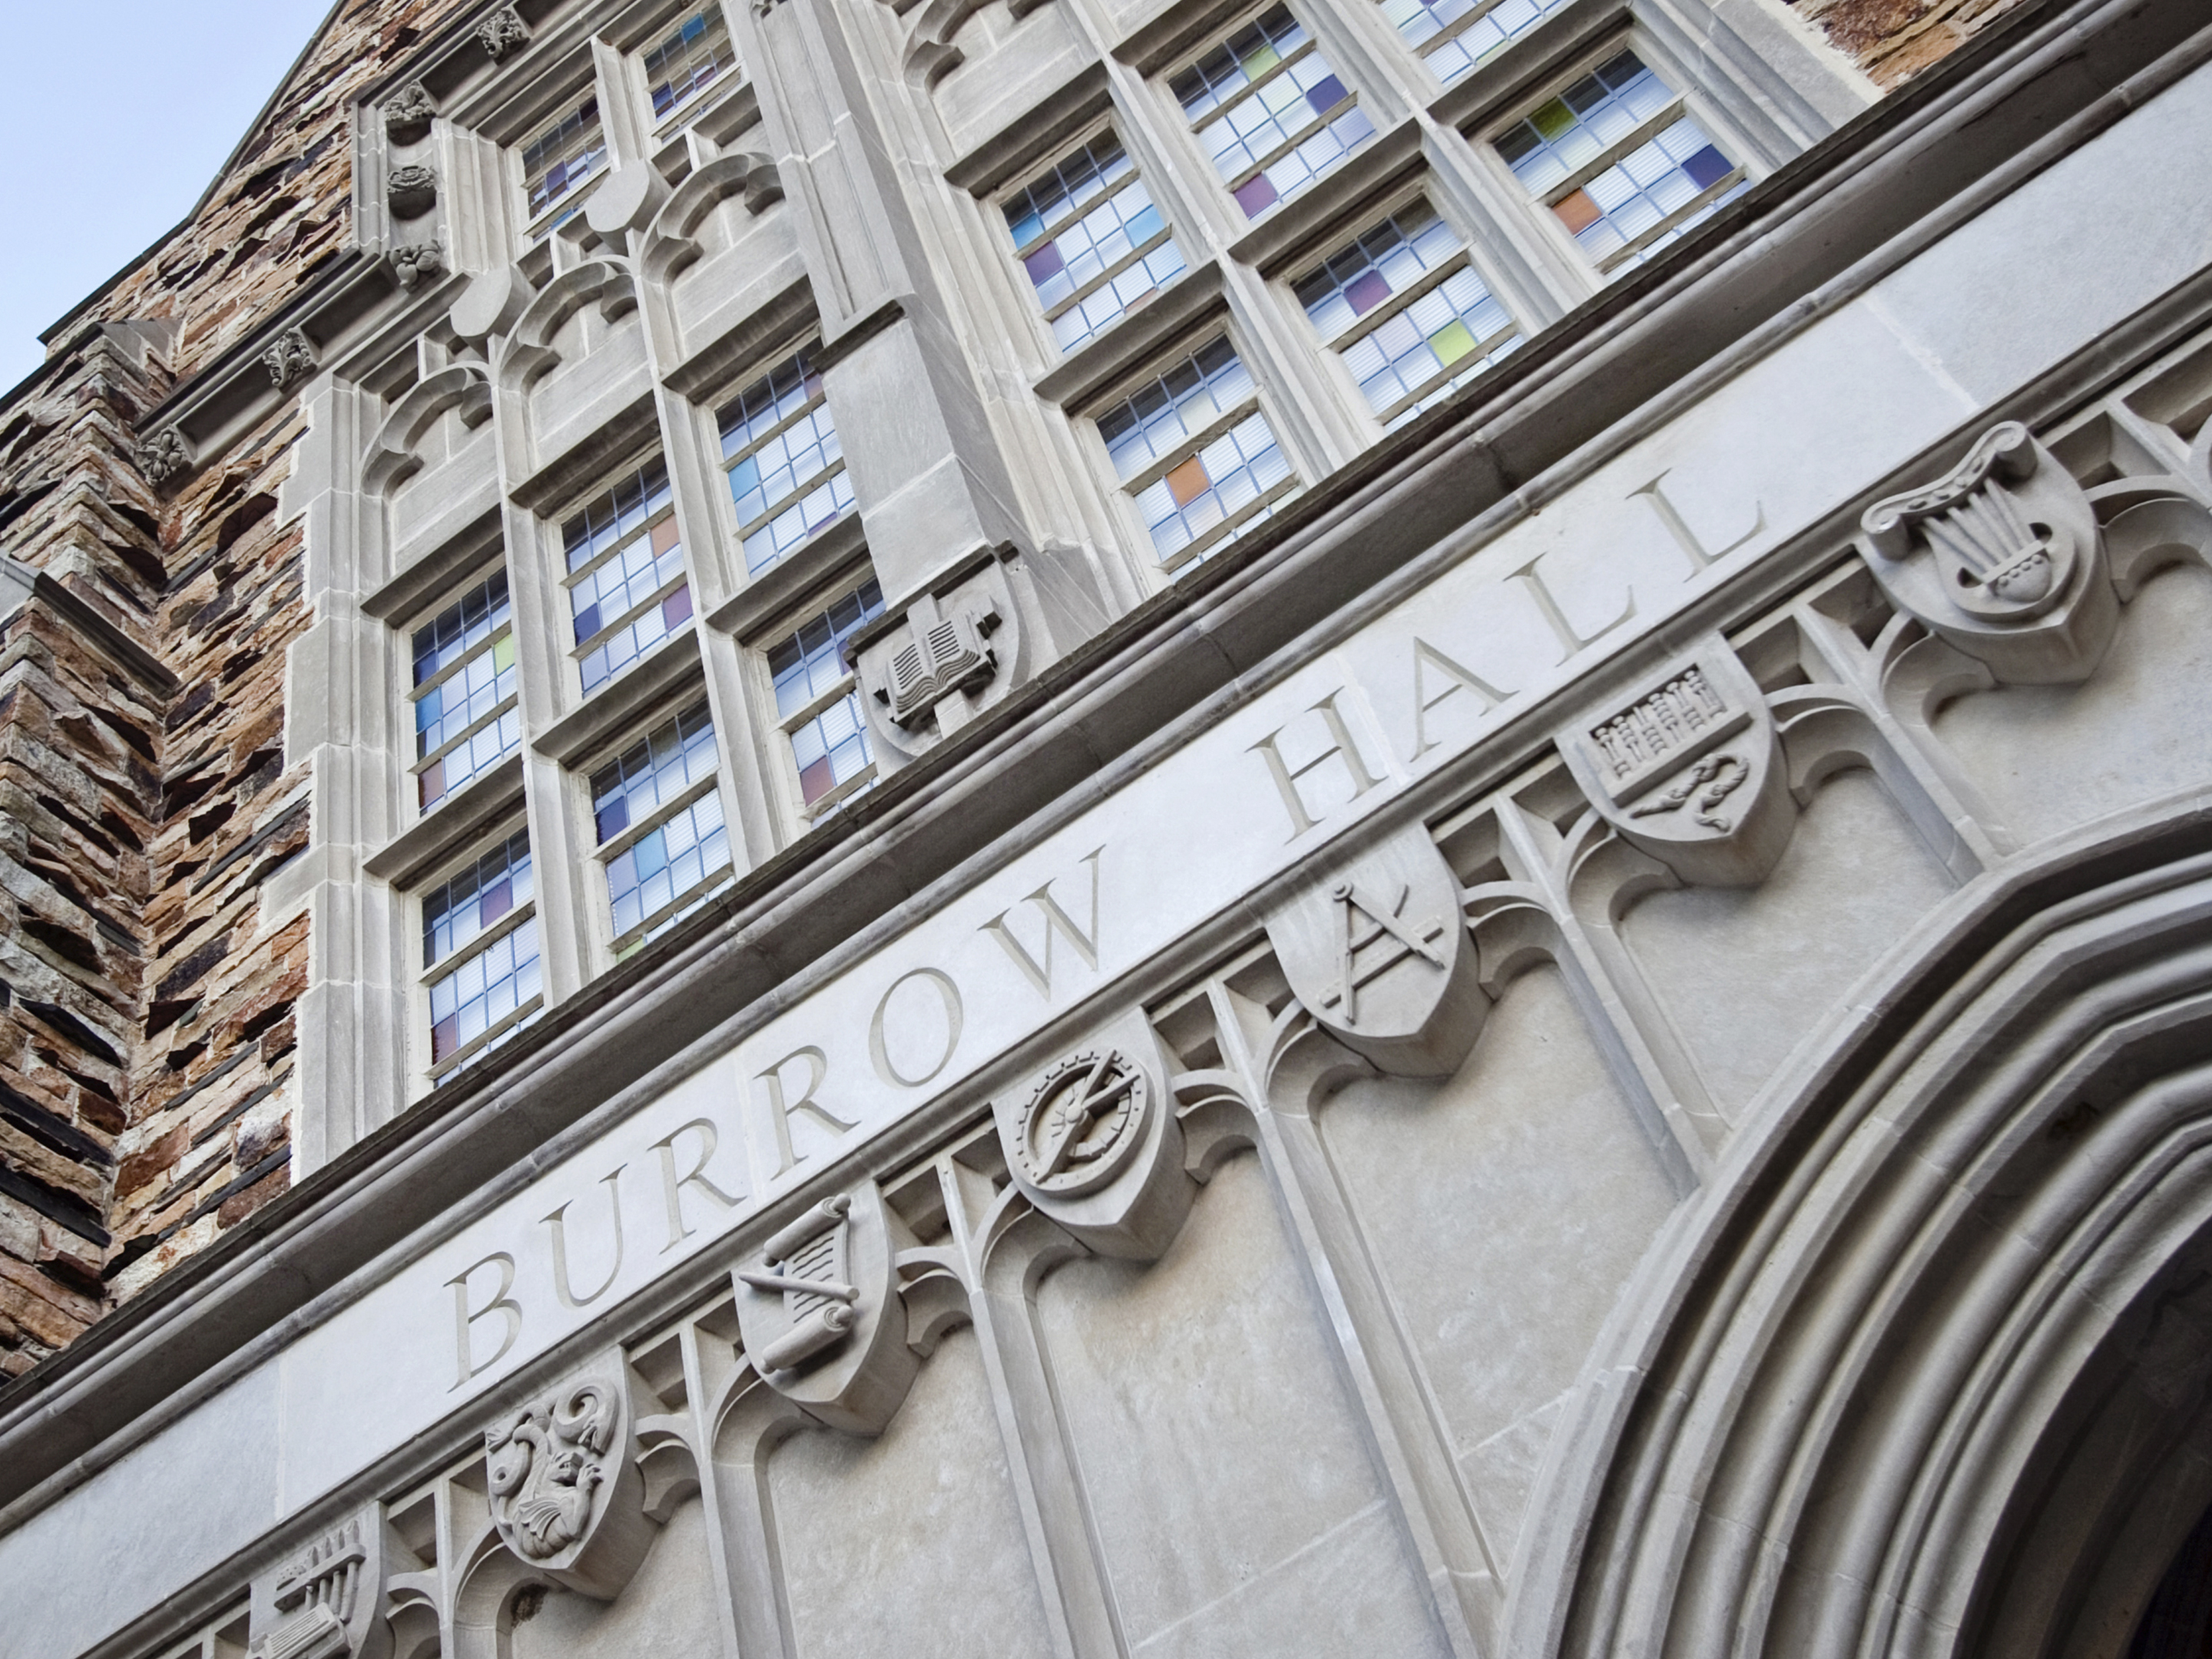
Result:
pixel 1376 951
pixel 411 191
pixel 930 672
pixel 819 1310
pixel 417 263
pixel 1689 771
pixel 503 31
pixel 165 456
pixel 2001 556
pixel 1094 1144
pixel 289 359
pixel 567 1497
pixel 408 115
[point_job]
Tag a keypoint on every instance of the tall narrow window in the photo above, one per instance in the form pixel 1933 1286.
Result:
pixel 562 154
pixel 466 712
pixel 480 954
pixel 1618 160
pixel 1270 110
pixel 787 468
pixel 688 59
pixel 1196 453
pixel 1407 311
pixel 1090 240
pixel 627 590
pixel 818 701
pixel 658 820
pixel 1454 36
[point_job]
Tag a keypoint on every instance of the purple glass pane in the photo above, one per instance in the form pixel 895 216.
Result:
pixel 1045 262
pixel 1256 196
pixel 1366 291
pixel 1707 167
pixel 1325 95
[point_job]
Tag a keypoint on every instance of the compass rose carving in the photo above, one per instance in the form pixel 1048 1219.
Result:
pixel 1083 1122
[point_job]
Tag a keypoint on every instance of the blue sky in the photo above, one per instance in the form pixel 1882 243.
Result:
pixel 117 117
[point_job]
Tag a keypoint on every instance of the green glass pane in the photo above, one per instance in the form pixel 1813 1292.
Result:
pixel 1554 118
pixel 502 654
pixel 1261 62
pixel 1451 342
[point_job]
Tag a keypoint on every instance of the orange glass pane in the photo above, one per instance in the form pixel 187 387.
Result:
pixel 664 535
pixel 1577 212
pixel 1188 482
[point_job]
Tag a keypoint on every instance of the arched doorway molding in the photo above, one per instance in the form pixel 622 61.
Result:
pixel 1923 1370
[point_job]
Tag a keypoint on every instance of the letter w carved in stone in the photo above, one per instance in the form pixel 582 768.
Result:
pixel 1056 921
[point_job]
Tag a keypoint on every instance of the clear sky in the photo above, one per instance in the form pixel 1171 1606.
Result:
pixel 118 116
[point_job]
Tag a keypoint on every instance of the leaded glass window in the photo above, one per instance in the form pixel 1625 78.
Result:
pixel 562 154
pixel 1090 240
pixel 1196 453
pixel 1453 36
pixel 1271 112
pixel 818 701
pixel 626 586
pixel 480 954
pixel 1622 164
pixel 1407 311
pixel 466 717
pixel 657 815
pixel 691 57
pixel 785 466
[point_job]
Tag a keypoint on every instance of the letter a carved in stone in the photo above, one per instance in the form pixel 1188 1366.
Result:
pixel 820 1313
pixel 1690 771
pixel 2001 556
pixel 566 1494
pixel 1377 949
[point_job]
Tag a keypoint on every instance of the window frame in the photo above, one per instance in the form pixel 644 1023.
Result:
pixel 536 228
pixel 668 709
pixel 1687 99
pixel 800 346
pixel 453 593
pixel 607 480
pixel 684 111
pixel 775 728
pixel 426 978
pixel 1149 370
pixel 1348 229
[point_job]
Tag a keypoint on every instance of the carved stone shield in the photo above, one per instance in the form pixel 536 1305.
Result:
pixel 566 1494
pixel 1092 1142
pixel 2001 556
pixel 1690 770
pixel 819 1310
pixel 326 1602
pixel 1378 951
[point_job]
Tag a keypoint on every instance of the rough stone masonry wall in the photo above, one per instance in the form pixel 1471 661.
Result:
pixel 146 1033
pixel 146 1037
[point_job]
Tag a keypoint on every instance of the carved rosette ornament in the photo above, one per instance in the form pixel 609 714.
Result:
pixel 407 118
pixel 1691 771
pixel 1093 1143
pixel 164 456
pixel 289 359
pixel 820 1313
pixel 2002 558
pixel 411 191
pixel 566 1494
pixel 1377 949
pixel 417 263
pixel 503 31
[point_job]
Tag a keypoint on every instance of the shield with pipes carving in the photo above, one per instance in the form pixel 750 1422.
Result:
pixel 1376 949
pixel 2001 556
pixel 820 1313
pixel 1689 769
pixel 326 1601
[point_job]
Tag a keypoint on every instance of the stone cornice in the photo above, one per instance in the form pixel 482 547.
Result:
pixel 1792 250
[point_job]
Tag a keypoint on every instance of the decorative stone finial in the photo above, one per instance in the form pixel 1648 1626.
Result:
pixel 407 117
pixel 164 456
pixel 290 358
pixel 416 263
pixel 412 191
pixel 503 31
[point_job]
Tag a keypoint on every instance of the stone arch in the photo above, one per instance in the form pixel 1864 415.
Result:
pixel 1925 1371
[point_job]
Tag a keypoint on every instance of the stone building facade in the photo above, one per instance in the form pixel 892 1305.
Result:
pixel 1111 827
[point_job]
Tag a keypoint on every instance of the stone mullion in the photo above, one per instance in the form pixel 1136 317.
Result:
pixel 1649 1062
pixel 1383 1377
pixel 714 1509
pixel 1073 1586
